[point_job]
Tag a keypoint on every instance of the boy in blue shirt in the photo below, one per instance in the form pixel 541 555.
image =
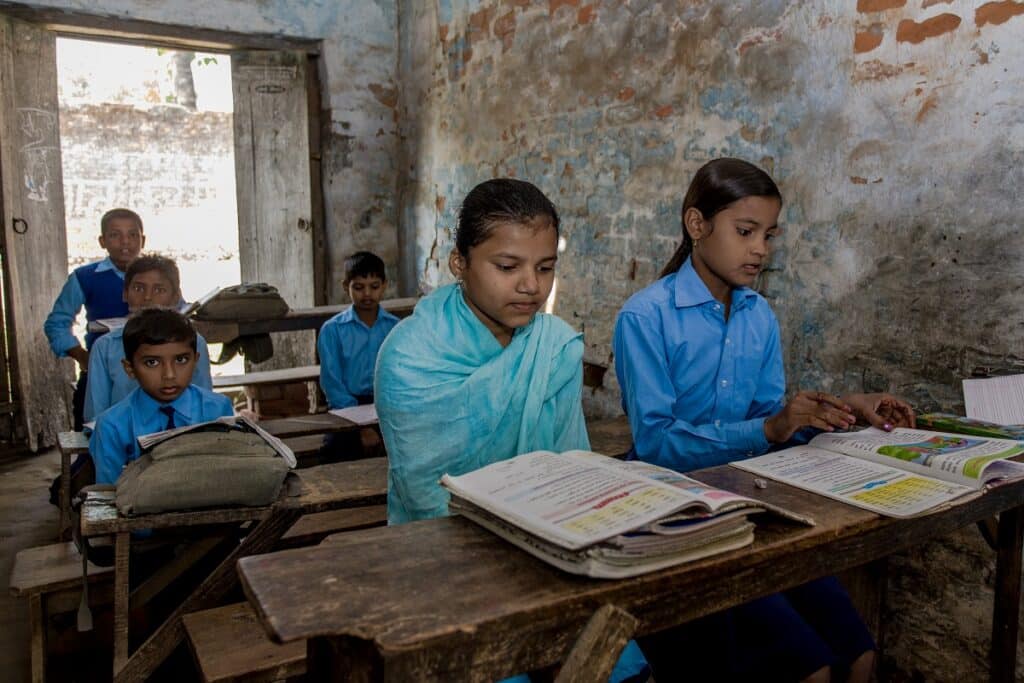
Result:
pixel 349 342
pixel 151 280
pixel 98 286
pixel 160 354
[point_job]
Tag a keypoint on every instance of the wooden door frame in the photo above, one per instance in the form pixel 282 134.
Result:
pixel 82 25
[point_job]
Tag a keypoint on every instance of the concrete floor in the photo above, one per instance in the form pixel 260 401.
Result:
pixel 26 519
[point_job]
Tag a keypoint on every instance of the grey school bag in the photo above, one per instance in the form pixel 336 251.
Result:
pixel 247 301
pixel 202 469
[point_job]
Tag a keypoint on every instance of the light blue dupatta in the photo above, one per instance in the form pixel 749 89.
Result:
pixel 450 399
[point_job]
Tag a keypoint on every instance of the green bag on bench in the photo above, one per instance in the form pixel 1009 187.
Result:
pixel 247 301
pixel 202 469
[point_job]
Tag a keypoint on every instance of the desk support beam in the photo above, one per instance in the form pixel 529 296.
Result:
pixel 1006 608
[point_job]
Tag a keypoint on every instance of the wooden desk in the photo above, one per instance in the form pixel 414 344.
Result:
pixel 306 373
pixel 71 445
pixel 305 425
pixel 610 436
pixel 326 487
pixel 219 331
pixel 492 610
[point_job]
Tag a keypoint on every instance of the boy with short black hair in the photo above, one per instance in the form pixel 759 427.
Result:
pixel 98 287
pixel 159 353
pixel 150 280
pixel 348 342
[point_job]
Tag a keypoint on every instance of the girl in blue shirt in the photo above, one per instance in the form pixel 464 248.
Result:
pixel 699 361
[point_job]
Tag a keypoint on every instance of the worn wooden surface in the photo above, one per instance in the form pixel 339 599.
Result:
pixel 296 319
pixel 305 448
pixel 1005 618
pixel 229 644
pixel 595 652
pixel 324 487
pixel 365 587
pixel 269 377
pixel 49 568
pixel 311 529
pixel 272 184
pixel 306 425
pixel 611 436
pixel 35 262
pixel 71 445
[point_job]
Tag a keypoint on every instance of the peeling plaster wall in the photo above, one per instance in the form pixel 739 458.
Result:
pixel 895 129
pixel 358 61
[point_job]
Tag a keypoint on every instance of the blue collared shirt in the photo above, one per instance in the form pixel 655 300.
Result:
pixel 65 309
pixel 109 383
pixel 697 388
pixel 114 442
pixel 348 352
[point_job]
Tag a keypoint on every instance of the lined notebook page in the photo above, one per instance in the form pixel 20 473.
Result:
pixel 995 399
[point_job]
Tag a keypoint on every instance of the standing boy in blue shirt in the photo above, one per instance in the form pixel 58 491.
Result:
pixel 159 353
pixel 98 286
pixel 349 342
pixel 151 280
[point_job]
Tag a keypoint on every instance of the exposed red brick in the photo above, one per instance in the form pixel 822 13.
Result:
pixel 385 95
pixel 626 94
pixel 868 40
pixel 480 22
pixel 586 14
pixel 553 5
pixel 910 31
pixel 568 171
pixel 518 3
pixel 442 32
pixel 930 102
pixel 505 28
pixel 857 180
pixel 929 3
pixel 997 12
pixel 439 203
pixel 663 111
pixel 879 5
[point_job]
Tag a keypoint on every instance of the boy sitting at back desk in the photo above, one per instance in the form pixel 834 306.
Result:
pixel 160 354
pixel 98 287
pixel 348 346
pixel 151 280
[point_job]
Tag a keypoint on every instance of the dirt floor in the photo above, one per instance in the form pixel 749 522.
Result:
pixel 26 519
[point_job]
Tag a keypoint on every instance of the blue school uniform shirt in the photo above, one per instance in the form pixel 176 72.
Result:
pixel 109 383
pixel 114 441
pixel 348 352
pixel 99 286
pixel 697 388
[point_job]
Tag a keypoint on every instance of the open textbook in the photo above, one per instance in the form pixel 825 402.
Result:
pixel 597 516
pixel 239 422
pixel 901 473
pixel 362 415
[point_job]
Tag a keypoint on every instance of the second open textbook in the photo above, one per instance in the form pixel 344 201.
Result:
pixel 901 473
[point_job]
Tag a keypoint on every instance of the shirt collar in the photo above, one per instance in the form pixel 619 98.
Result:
pixel 690 290
pixel 349 316
pixel 107 264
pixel 147 407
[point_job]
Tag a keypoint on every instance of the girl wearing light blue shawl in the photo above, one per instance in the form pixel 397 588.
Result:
pixel 477 374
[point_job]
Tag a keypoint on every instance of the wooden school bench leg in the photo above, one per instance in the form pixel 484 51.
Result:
pixel 64 532
pixel 37 625
pixel 1006 608
pixel 597 649
pixel 122 550
pixel 158 646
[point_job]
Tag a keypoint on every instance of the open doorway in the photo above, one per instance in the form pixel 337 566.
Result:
pixel 150 129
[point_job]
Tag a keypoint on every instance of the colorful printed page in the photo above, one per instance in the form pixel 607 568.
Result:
pixel 958 424
pixel 866 484
pixel 572 499
pixel 995 399
pixel 961 458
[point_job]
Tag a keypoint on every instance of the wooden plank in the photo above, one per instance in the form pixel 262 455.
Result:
pixel 121 599
pixel 1006 612
pixel 51 568
pixel 596 651
pixel 217 331
pixel 611 436
pixel 324 487
pixel 305 373
pixel 229 645
pixel 530 611
pixel 311 529
pixel 272 171
pixel 37 628
pixel 73 442
pixel 305 425
pixel 34 238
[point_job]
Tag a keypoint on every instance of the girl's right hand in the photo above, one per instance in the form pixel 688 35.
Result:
pixel 809 409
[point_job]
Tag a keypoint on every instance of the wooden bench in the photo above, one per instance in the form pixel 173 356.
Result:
pixel 229 644
pixel 50 576
pixel 71 445
pixel 253 382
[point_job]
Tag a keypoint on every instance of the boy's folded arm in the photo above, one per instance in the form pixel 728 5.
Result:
pixel 62 316
pixel 107 451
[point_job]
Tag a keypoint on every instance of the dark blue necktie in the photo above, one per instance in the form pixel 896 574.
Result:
pixel 169 412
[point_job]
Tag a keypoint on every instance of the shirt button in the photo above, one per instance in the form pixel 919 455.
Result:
pixel 718 423
pixel 725 382
pixel 718 307
pixel 750 454
pixel 728 341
